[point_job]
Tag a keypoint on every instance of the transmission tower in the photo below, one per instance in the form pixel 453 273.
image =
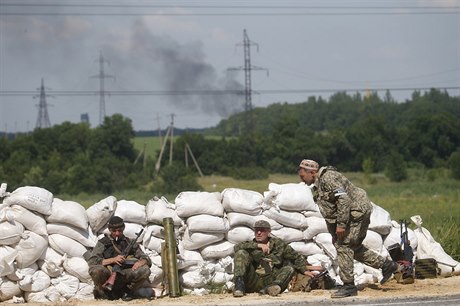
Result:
pixel 102 76
pixel 43 119
pixel 247 43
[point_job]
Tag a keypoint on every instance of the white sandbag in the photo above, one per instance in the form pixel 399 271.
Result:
pixel 84 236
pixel 100 213
pixel 84 292
pixel 31 221
pixel 239 219
pixel 158 209
pixel 10 232
pixel 190 203
pixel 31 197
pixel 77 267
pixel 7 258
pixel 8 289
pixel 395 236
pixel 373 241
pixel 153 243
pixel 66 284
pixel 21 273
pixel 156 274
pixel 30 248
pixel 50 294
pixel 315 226
pixel 365 278
pixel 324 240
pixel 190 255
pixel 306 248
pixel 36 282
pixel 130 231
pixel 65 245
pixel 429 248
pixel 240 234
pixel 51 262
pixel 217 250
pixel 68 212
pixel 207 224
pixel 193 279
pixel 220 278
pixel 313 213
pixel 321 260
pixel 288 234
pixel 131 211
pixel 287 218
pixel 242 201
pixel 196 240
pixel 380 220
pixel 292 197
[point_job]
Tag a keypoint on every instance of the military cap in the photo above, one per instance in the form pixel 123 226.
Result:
pixel 116 222
pixel 262 224
pixel 309 164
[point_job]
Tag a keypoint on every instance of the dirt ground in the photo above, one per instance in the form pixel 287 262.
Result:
pixel 391 290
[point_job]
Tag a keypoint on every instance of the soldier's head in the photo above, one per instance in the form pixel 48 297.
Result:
pixel 116 227
pixel 262 230
pixel 307 171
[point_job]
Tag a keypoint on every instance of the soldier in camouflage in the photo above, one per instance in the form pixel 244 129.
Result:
pixel 266 264
pixel 107 253
pixel 347 210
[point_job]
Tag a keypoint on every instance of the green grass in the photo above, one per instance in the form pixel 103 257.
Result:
pixel 152 145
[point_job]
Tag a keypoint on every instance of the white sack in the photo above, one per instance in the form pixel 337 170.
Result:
pixel 153 243
pixel 306 248
pixel 30 248
pixel 31 221
pixel 287 218
pixel 131 230
pixel 84 292
pixel 50 294
pixel 8 289
pixel 101 212
pixel 242 201
pixel 7 258
pixel 131 211
pixel 239 219
pixel 189 203
pixel 158 209
pixel 288 234
pixel 380 220
pixel 68 212
pixel 77 267
pixel 10 232
pixel 373 241
pixel 196 240
pixel 217 250
pixel 324 240
pixel 36 282
pixel 21 273
pixel 51 262
pixel 66 284
pixel 240 234
pixel 395 236
pixel 315 226
pixel 65 245
pixel 193 279
pixel 207 224
pixel 84 236
pixel 293 197
pixel 221 278
pixel 33 198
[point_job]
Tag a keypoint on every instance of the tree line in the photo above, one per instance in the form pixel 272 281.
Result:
pixel 351 132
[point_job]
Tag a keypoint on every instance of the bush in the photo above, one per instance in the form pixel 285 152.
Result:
pixel 396 169
pixel 454 164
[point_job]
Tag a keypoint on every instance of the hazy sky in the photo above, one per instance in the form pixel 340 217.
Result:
pixel 172 46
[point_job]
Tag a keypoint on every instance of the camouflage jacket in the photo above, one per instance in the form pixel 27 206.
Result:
pixel 281 254
pixel 338 199
pixel 105 249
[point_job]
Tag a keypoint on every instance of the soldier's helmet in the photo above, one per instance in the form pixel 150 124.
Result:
pixel 309 164
pixel 262 224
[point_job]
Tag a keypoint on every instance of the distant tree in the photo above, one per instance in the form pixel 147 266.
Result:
pixel 396 168
pixel 454 164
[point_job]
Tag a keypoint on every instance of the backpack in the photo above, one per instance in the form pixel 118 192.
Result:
pixel 302 282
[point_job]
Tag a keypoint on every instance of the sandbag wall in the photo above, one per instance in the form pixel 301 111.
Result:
pixel 43 239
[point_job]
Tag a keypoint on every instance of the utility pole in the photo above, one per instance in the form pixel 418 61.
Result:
pixel 102 76
pixel 43 119
pixel 171 139
pixel 247 43
pixel 159 130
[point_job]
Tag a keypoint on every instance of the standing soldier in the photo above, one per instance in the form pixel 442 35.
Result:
pixel 106 254
pixel 347 210
pixel 265 264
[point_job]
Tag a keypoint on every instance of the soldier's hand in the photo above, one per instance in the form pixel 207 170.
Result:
pixel 118 260
pixel 309 273
pixel 264 247
pixel 138 264
pixel 340 231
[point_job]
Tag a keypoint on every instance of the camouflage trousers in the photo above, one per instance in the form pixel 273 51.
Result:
pixel 127 279
pixel 351 247
pixel 253 281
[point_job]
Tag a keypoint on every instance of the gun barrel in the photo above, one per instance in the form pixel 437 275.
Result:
pixel 170 246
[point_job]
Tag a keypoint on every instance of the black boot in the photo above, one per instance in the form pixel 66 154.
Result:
pixel 345 291
pixel 239 289
pixel 389 267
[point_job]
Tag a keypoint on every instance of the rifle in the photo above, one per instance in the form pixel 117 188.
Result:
pixel 408 253
pixel 108 285
pixel 313 282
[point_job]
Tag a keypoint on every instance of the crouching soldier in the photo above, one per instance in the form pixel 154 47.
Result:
pixel 266 264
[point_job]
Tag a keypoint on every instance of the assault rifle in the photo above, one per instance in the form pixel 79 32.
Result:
pixel 108 285
pixel 408 253
pixel 314 282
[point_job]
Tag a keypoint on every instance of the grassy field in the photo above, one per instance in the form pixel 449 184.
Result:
pixel 435 197
pixel 152 145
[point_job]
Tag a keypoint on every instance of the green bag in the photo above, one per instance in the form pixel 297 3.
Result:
pixel 426 268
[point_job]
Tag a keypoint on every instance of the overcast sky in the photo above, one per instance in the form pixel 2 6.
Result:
pixel 308 48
